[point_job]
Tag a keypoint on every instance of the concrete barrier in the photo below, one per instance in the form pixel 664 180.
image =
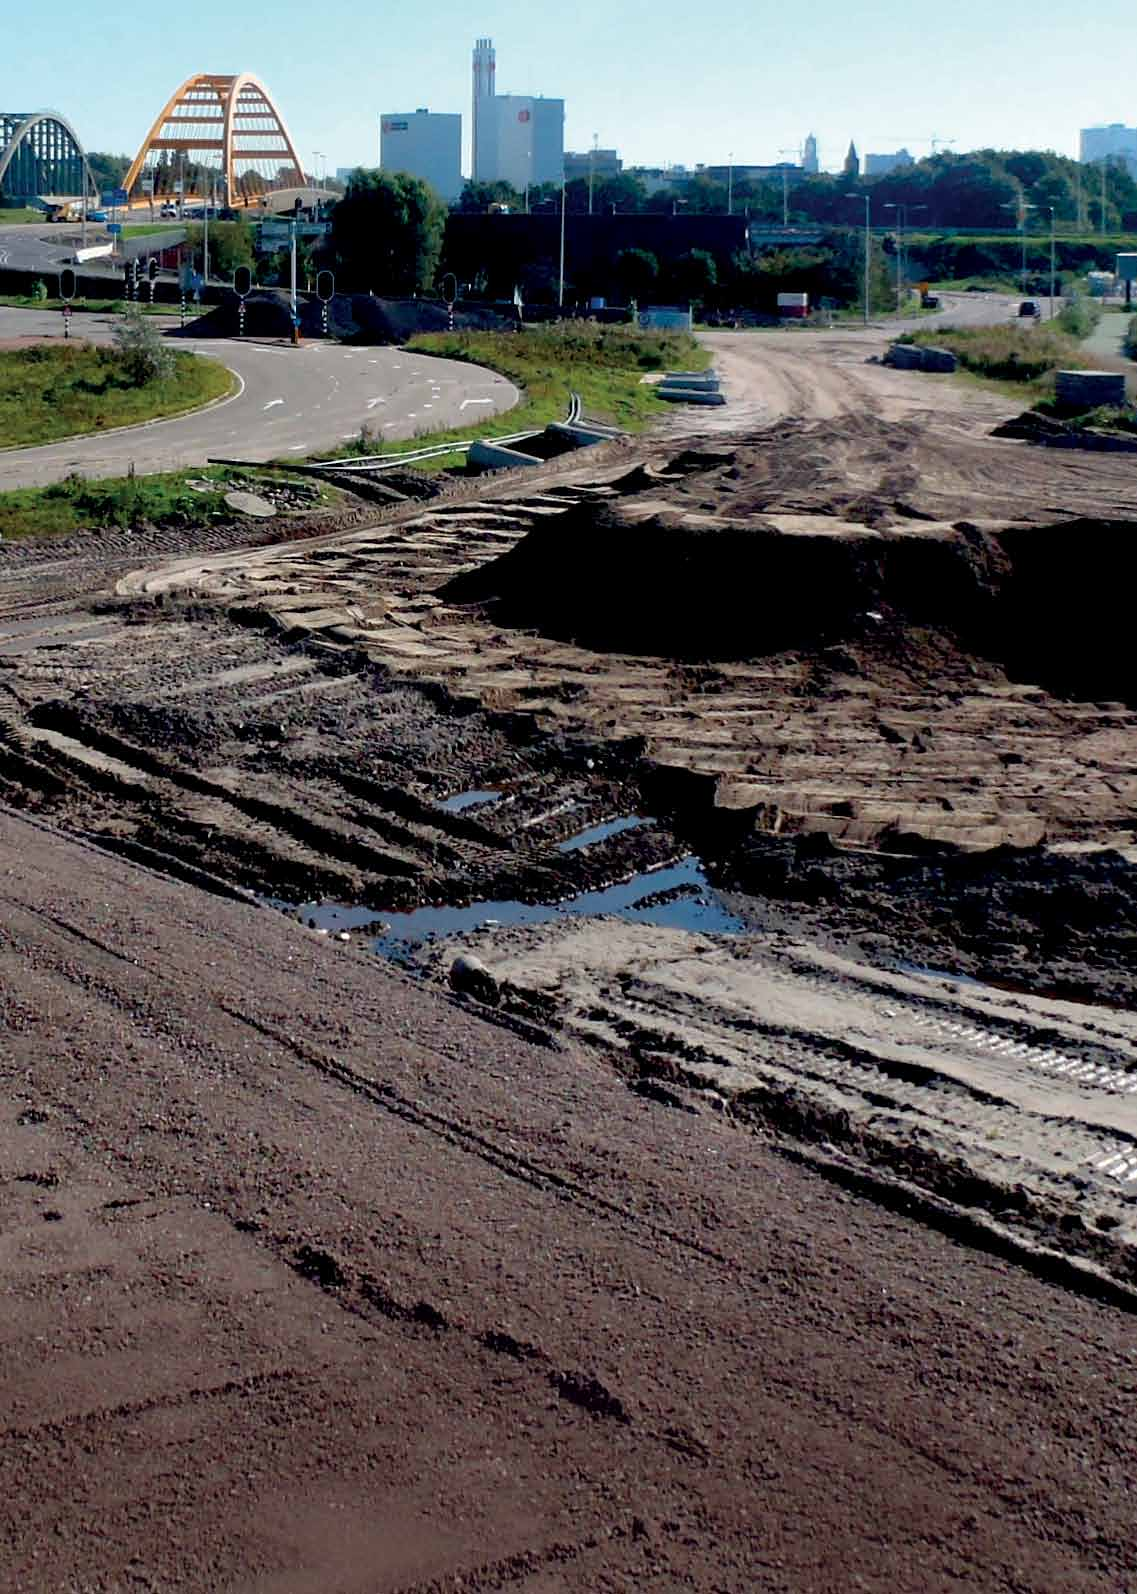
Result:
pixel 689 395
pixel 580 436
pixel 495 456
pixel 1086 390
pixel 914 357
pixel 692 381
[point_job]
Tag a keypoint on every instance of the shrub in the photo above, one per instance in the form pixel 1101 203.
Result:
pixel 39 290
pixel 143 357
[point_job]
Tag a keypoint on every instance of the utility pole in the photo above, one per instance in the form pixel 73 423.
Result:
pixel 592 168
pixel 785 197
pixel 1104 164
pixel 205 234
pixel 561 287
pixel 730 184
pixel 1052 262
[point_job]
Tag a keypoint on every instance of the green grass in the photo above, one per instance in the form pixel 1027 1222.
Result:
pixel 22 213
pixel 24 301
pixel 61 389
pixel 604 365
pixel 140 229
pixel 77 504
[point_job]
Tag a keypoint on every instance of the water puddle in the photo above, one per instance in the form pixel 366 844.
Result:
pixel 678 896
pixel 467 799
pixel 611 827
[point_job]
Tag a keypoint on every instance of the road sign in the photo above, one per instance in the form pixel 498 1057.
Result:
pixel 114 228
pixel 115 196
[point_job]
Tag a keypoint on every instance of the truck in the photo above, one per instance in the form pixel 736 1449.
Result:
pixel 794 306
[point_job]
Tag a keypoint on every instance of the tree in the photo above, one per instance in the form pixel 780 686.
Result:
pixel 387 233
pixel 637 273
pixel 230 246
pixel 477 198
pixel 108 171
pixel 691 277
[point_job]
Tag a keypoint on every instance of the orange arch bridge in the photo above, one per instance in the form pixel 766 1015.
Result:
pixel 226 123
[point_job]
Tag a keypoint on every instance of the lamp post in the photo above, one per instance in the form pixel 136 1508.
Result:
pixel 868 247
pixel 1051 209
pixel 901 207
pixel 1022 206
pixel 561 287
pixel 730 184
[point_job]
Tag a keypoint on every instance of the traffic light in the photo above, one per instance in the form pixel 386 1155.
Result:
pixel 153 268
pixel 67 283
pixel 242 281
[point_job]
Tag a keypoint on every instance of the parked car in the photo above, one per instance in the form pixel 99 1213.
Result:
pixel 1029 307
pixel 169 210
pixel 96 215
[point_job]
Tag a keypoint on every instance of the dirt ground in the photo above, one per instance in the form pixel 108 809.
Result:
pixel 737 756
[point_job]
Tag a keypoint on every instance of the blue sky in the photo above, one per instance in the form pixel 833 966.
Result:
pixel 666 83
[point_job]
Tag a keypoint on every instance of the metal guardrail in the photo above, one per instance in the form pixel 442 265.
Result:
pixel 380 462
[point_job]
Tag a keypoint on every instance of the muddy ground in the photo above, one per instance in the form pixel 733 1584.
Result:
pixel 784 781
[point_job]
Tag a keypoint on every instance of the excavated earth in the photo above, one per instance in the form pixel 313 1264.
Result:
pixel 787 775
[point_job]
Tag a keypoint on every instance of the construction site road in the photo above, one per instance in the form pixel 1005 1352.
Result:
pixel 313 1280
pixel 289 401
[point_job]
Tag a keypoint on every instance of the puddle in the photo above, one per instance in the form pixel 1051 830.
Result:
pixel 611 827
pixel 467 799
pixel 678 896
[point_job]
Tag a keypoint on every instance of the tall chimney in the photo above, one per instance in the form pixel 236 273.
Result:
pixel 485 87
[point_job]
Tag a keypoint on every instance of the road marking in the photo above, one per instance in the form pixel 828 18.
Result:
pixel 272 403
pixel 294 448
pixel 467 402
pixel 371 403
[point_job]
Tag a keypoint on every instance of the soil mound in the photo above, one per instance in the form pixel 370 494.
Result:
pixel 353 318
pixel 647 578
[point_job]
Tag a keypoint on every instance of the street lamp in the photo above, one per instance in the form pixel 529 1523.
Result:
pixel 730 184
pixel 868 247
pixel 901 207
pixel 561 288
pixel 1050 208
pixel 1022 206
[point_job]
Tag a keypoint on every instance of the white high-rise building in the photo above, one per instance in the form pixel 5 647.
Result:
pixel 518 138
pixel 881 165
pixel 809 161
pixel 1099 143
pixel 426 144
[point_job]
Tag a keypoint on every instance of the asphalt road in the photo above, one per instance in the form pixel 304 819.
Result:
pixel 292 400
pixel 46 248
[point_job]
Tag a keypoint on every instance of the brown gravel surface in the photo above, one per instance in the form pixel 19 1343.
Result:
pixel 313 1280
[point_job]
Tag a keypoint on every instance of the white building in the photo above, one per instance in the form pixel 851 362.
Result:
pixel 426 144
pixel 1099 143
pixel 881 165
pixel 518 138
pixel 810 164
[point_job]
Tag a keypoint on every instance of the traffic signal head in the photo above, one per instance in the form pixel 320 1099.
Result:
pixel 152 268
pixel 67 283
pixel 325 285
pixel 242 281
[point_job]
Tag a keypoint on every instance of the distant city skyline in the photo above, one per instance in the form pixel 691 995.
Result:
pixel 633 86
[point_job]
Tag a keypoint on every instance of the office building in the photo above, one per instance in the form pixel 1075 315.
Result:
pixel 810 164
pixel 517 138
pixel 426 144
pixel 1116 140
pixel 881 165
pixel 598 164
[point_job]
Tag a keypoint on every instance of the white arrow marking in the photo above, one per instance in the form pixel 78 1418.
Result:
pixel 466 402
pixel 371 403
pixel 273 402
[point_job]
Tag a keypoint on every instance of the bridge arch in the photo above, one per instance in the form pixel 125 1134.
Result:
pixel 225 122
pixel 40 154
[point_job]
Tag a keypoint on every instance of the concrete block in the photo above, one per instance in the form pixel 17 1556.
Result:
pixel 1086 390
pixel 495 456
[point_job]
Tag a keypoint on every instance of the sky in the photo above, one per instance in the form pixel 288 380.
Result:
pixel 665 84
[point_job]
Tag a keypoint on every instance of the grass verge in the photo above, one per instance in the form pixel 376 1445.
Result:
pixel 1021 360
pixel 19 215
pixel 56 390
pixel 605 365
pixel 25 301
pixel 188 498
